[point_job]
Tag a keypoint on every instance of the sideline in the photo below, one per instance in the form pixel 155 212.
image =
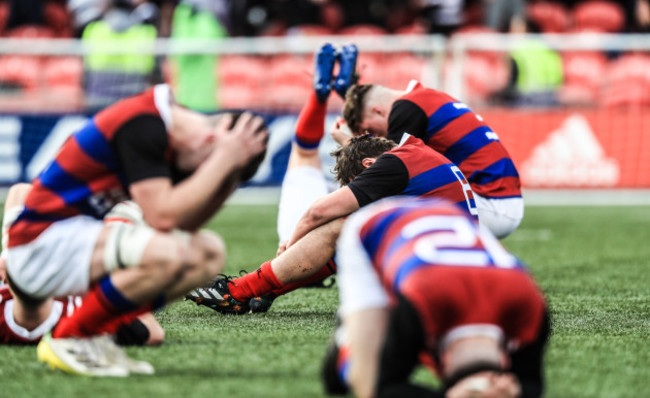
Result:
pixel 533 197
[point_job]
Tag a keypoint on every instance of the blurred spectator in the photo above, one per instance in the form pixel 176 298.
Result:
pixel 536 73
pixel 127 25
pixel 505 15
pixel 441 16
pixel 195 81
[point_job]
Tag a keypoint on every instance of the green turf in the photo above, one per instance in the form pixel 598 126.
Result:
pixel 592 263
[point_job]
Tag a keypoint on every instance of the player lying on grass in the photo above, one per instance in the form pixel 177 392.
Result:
pixel 179 166
pixel 304 181
pixel 421 282
pixel 451 128
pixel 369 168
pixel 25 322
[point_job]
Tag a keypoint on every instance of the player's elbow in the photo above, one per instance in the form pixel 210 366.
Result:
pixel 316 215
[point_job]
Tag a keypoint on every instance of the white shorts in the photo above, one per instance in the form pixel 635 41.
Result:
pixel 301 187
pixel 57 262
pixel 500 216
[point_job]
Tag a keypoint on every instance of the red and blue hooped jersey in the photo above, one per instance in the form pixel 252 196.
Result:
pixel 433 175
pixel 451 128
pixel 85 177
pixel 452 271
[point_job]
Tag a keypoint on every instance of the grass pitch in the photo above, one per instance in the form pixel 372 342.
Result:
pixel 592 262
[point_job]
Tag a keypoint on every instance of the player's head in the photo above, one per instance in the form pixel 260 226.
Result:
pixel 366 109
pixel 473 362
pixel 357 155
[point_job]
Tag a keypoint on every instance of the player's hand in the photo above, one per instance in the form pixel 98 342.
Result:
pixel 282 247
pixel 340 132
pixel 486 385
pixel 243 142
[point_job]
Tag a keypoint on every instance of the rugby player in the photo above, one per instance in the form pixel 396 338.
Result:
pixel 369 168
pixel 24 324
pixel 179 166
pixel 421 282
pixel 451 128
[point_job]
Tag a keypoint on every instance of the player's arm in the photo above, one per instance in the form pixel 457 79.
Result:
pixel 339 203
pixel 526 363
pixel 188 204
pixel 406 117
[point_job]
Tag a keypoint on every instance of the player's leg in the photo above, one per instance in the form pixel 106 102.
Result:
pixel 500 216
pixel 169 266
pixel 292 269
pixel 304 181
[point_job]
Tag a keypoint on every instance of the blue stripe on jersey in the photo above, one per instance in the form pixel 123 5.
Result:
pixel 429 180
pixel 372 240
pixel 95 145
pixel 495 171
pixel 408 266
pixel 445 114
pixel 66 186
pixel 470 143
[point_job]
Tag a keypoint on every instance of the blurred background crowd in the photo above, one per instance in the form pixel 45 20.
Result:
pixel 530 75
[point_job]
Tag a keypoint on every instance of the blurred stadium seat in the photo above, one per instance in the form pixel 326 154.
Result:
pixel 627 81
pixel 31 32
pixel 583 75
pixel 599 15
pixel 550 16
pixel 363 30
pixel 20 71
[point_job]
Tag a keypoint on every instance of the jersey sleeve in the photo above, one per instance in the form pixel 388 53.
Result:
pixel 141 145
pixel 388 176
pixel 406 117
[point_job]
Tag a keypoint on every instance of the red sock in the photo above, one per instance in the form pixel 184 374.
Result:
pixel 256 283
pixel 310 127
pixel 327 270
pixel 124 319
pixel 102 308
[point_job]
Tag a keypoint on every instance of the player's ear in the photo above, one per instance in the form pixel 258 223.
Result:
pixel 367 162
pixel 377 110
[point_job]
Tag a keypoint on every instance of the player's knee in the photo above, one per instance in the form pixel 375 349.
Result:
pixel 164 257
pixel 211 253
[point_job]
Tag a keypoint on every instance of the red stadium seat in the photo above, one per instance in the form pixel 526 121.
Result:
pixel 242 69
pixel 4 14
pixel 20 70
pixel 238 96
pixel 31 32
pixel 57 17
pixel 363 30
pixel 371 68
pixel 290 69
pixel 63 71
pixel 482 76
pixel 583 74
pixel 406 67
pixel 600 15
pixel 627 81
pixel 551 16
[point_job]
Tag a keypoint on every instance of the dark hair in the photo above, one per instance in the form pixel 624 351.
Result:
pixel 251 168
pixel 353 107
pixel 349 158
